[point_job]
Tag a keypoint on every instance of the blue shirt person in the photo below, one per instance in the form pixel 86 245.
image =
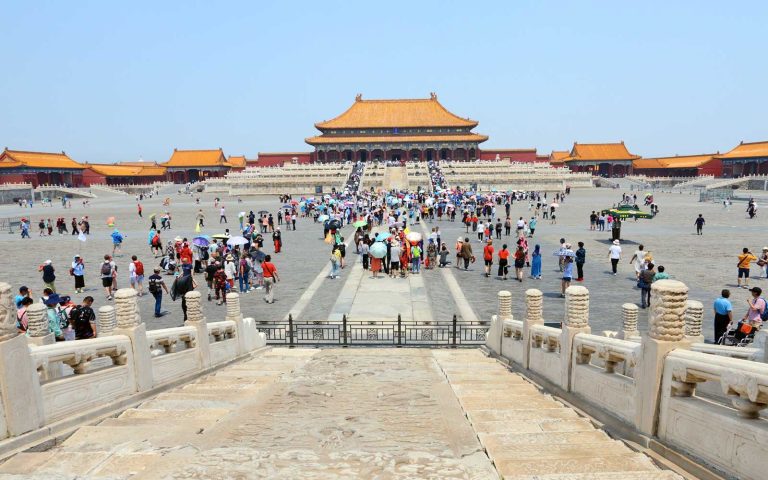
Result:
pixel 723 313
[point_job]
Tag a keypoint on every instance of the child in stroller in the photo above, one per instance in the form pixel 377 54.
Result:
pixel 744 331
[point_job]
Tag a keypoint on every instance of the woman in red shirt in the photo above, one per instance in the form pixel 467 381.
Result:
pixel 488 257
pixel 503 262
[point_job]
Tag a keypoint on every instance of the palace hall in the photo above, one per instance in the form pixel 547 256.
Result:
pixel 396 130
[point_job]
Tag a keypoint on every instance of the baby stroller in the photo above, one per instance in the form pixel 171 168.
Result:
pixel 739 335
pixel 168 264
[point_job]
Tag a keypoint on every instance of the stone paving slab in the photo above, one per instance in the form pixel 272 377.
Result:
pixel 518 469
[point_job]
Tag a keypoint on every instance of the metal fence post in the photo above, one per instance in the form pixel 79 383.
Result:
pixel 399 330
pixel 454 330
pixel 344 329
pixel 290 330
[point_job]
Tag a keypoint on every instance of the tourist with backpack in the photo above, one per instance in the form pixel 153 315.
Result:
pixel 83 320
pixel 156 287
pixel 136 274
pixel 108 271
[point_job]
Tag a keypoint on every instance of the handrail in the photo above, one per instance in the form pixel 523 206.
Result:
pixel 168 338
pixel 78 354
pixel 610 350
pixel 223 330
pixel 543 335
pixel 744 353
pixel 746 382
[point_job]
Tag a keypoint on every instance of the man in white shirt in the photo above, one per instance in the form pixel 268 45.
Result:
pixel 222 215
pixel 615 255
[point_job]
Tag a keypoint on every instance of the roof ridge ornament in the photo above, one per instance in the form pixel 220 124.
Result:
pixel 359 97
pixel 433 95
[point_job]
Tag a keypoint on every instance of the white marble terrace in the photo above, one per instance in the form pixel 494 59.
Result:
pixel 704 401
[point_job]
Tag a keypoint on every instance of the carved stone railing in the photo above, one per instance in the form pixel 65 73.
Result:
pixel 79 355
pixel 612 352
pixel 42 381
pixel 169 339
pixel 720 434
pixel 690 396
pixel 85 389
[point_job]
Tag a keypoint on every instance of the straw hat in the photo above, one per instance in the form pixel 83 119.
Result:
pixel 615 242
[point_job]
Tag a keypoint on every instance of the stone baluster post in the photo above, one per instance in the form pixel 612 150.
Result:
pixel 576 321
pixel 107 321
pixel 196 319
pixel 38 327
pixel 236 315
pixel 666 323
pixel 21 408
pixel 129 324
pixel 629 313
pixel 534 303
pixel 693 319
pixel 496 330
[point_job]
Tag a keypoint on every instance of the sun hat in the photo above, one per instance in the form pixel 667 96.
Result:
pixel 47 262
pixel 615 242
pixel 53 299
pixel 229 257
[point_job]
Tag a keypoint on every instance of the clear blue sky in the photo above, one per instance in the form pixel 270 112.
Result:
pixel 109 81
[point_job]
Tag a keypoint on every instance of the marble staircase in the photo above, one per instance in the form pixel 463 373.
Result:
pixel 134 443
pixel 531 435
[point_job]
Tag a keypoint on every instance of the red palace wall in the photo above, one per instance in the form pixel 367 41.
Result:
pixel 278 159
pixel 713 167
pixel 515 155
pixel 90 177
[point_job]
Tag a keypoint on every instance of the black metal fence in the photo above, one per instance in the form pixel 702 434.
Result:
pixel 376 333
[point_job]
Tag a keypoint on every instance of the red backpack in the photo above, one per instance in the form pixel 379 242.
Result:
pixel 139 267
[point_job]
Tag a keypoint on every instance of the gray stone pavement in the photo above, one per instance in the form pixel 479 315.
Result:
pixel 705 263
pixel 303 257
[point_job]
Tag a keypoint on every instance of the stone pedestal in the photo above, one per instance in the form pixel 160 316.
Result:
pixel 534 301
pixel 496 330
pixel 196 319
pixel 693 318
pixel 234 314
pixel 22 398
pixel 576 321
pixel 107 321
pixel 129 324
pixel 666 322
pixel 629 313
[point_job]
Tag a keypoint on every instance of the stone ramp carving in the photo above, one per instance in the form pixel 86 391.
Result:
pixel 531 435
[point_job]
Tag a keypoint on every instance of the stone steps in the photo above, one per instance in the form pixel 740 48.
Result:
pixel 530 435
pixel 130 443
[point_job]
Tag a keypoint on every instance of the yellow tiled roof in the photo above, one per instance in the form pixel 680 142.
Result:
pixel 679 161
pixel 747 150
pixel 557 156
pixel 472 137
pixel 396 113
pixel 196 158
pixel 599 151
pixel 139 163
pixel 37 160
pixel 237 161
pixel 127 170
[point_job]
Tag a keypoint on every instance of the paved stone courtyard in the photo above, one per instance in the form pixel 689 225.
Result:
pixel 705 263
